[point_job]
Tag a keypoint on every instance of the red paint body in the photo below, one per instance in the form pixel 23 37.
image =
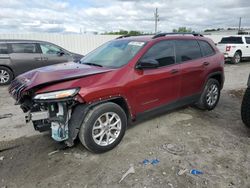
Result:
pixel 142 89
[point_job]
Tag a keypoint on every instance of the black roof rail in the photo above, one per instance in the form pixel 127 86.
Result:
pixel 177 33
pixel 123 36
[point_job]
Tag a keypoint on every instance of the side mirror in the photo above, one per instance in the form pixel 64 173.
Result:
pixel 147 64
pixel 61 53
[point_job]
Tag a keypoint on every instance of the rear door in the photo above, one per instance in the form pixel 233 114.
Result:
pixel 188 54
pixel 157 86
pixel 24 56
pixel 52 54
pixel 247 46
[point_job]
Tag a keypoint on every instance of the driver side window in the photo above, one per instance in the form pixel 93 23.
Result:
pixel 50 49
pixel 163 52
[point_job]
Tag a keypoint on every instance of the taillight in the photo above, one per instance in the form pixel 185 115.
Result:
pixel 228 48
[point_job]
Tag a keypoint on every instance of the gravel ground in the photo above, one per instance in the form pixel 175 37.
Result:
pixel 215 142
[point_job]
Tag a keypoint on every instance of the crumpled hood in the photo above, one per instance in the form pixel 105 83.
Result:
pixel 52 74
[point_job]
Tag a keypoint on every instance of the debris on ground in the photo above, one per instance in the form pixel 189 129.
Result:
pixel 174 148
pixel 170 185
pixel 131 170
pixel 80 156
pixel 145 161
pixel 53 152
pixel 153 161
pixel 195 172
pixel 66 153
pixel 1 158
pixel 182 171
pixel 6 116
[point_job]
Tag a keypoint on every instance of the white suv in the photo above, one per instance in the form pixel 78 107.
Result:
pixel 235 47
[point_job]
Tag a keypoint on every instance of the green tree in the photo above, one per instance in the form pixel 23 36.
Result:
pixel 124 32
pixel 182 30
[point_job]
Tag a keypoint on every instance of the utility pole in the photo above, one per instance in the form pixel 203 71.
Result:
pixel 239 25
pixel 156 15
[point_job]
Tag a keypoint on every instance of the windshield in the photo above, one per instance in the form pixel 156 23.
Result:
pixel 113 54
pixel 231 40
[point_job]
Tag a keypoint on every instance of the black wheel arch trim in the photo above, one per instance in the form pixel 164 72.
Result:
pixel 8 67
pixel 79 113
pixel 217 73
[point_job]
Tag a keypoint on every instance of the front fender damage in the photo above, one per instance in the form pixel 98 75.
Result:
pixel 75 122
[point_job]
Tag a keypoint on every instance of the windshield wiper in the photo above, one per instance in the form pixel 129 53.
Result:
pixel 94 64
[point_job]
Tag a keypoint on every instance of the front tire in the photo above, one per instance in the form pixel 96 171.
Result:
pixel 6 76
pixel 210 95
pixel 245 108
pixel 103 128
pixel 237 58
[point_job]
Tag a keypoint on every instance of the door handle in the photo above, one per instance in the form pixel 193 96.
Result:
pixel 38 58
pixel 247 46
pixel 206 63
pixel 174 71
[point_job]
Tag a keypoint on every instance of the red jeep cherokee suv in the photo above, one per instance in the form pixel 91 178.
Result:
pixel 118 82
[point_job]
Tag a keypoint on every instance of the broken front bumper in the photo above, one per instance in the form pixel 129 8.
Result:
pixel 52 115
pixel 62 117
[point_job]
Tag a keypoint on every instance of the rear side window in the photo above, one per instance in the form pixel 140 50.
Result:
pixel 50 49
pixel 24 48
pixel 206 49
pixel 248 40
pixel 231 40
pixel 187 50
pixel 3 49
pixel 163 52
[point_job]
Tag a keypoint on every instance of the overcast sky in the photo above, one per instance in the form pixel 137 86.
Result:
pixel 61 16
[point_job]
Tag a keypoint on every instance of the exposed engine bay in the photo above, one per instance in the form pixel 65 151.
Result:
pixel 54 116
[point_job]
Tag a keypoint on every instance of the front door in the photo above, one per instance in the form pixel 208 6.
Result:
pixel 157 86
pixel 52 54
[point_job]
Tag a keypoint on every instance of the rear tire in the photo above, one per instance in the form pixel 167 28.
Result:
pixel 6 75
pixel 237 58
pixel 245 108
pixel 103 127
pixel 210 95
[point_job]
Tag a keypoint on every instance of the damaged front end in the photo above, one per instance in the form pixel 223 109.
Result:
pixel 50 111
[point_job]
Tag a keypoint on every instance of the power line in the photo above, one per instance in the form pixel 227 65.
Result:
pixel 156 15
pixel 239 25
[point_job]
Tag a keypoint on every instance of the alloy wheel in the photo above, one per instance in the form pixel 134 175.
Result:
pixel 212 94
pixel 106 129
pixel 237 58
pixel 4 76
